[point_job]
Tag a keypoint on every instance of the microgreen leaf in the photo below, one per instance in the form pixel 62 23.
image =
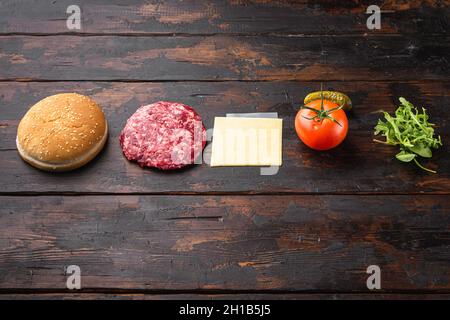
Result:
pixel 421 150
pixel 411 131
pixel 404 156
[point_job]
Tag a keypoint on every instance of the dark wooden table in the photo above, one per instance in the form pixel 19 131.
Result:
pixel 309 231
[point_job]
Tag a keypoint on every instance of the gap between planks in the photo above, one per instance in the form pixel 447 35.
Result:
pixel 212 291
pixel 217 34
pixel 33 80
pixel 212 193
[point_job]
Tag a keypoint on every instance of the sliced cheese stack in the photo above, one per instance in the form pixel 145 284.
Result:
pixel 239 141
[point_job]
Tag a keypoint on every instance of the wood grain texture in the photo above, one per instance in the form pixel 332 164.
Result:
pixel 217 16
pixel 295 243
pixel 266 58
pixel 228 296
pixel 308 232
pixel 357 166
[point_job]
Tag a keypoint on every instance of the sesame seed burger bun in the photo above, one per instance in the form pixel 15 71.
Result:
pixel 62 132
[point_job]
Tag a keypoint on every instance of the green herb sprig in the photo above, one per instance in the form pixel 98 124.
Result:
pixel 411 131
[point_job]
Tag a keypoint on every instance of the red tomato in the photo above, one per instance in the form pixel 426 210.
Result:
pixel 322 134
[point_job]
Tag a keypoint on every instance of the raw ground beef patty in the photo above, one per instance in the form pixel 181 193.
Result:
pixel 164 135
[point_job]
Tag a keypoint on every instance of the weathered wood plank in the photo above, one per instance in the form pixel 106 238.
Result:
pixel 234 296
pixel 217 16
pixel 226 242
pixel 359 165
pixel 267 58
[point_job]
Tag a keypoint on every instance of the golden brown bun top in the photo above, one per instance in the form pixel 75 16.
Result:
pixel 61 128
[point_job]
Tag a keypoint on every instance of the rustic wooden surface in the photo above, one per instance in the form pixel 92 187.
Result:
pixel 262 58
pixel 303 171
pixel 309 231
pixel 233 16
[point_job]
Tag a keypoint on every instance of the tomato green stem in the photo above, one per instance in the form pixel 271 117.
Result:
pixel 322 113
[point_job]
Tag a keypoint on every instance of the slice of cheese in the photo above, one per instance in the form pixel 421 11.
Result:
pixel 246 142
